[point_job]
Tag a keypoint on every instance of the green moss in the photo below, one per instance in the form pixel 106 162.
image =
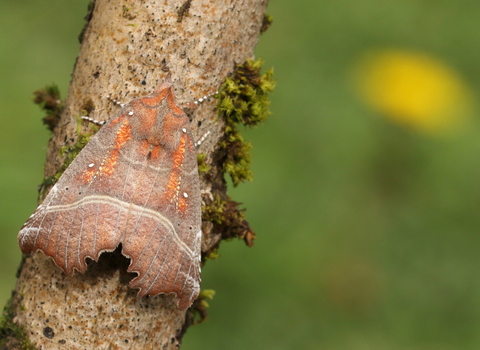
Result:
pixel 203 167
pixel 12 335
pixel 212 254
pixel 49 101
pixel 213 212
pixel 237 158
pixel 206 294
pixel 198 312
pixel 228 219
pixel 242 99
pixel 266 23
pixel 70 152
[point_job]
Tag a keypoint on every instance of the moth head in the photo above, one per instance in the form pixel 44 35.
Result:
pixel 158 119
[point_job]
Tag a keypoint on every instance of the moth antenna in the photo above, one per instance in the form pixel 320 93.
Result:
pixel 204 98
pixel 199 142
pixel 102 122
pixel 94 121
pixel 115 101
pixel 194 105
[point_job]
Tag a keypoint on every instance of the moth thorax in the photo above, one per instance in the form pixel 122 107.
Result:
pixel 173 129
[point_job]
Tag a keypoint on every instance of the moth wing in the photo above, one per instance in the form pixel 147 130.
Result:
pixel 76 221
pixel 163 234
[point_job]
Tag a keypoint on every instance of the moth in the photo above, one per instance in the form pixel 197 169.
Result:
pixel 136 183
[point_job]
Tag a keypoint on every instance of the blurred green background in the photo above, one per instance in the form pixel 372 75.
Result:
pixel 366 212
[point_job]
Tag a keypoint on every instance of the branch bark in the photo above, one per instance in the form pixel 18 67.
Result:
pixel 128 47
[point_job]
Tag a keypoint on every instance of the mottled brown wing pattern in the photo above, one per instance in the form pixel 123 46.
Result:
pixel 135 183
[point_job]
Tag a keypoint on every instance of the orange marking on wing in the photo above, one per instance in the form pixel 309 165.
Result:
pixel 88 175
pixel 117 120
pixel 171 190
pixel 182 204
pixel 179 153
pixel 124 134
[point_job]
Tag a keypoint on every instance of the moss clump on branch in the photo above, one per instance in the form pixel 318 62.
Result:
pixel 197 313
pixel 12 336
pixel 228 219
pixel 48 99
pixel 242 99
pixel 266 23
pixel 70 152
pixel 203 167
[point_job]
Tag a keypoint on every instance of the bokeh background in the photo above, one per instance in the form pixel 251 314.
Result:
pixel 366 191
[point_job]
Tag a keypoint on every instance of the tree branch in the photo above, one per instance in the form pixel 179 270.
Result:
pixel 127 49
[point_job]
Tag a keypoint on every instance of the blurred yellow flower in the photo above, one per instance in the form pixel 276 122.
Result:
pixel 413 89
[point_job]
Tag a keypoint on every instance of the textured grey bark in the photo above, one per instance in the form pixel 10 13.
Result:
pixel 128 48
